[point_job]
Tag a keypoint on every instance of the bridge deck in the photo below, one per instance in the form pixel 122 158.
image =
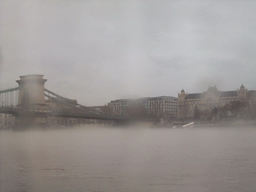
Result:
pixel 60 112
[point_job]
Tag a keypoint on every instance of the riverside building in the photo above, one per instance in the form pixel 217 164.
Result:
pixel 163 106
pixel 213 98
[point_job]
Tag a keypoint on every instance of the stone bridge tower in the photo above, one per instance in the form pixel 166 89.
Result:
pixel 31 90
pixel 31 101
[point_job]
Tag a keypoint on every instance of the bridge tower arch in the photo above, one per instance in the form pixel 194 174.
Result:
pixel 31 100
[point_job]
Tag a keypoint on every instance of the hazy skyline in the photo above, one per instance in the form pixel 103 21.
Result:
pixel 97 51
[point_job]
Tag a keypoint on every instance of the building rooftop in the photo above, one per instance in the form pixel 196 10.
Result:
pixel 194 96
pixel 228 94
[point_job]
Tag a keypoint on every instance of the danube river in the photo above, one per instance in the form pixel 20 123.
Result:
pixel 129 159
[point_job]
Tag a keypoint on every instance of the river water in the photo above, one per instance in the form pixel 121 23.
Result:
pixel 129 159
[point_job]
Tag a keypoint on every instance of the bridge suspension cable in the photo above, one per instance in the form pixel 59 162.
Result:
pixel 8 96
pixel 71 103
pixel 9 90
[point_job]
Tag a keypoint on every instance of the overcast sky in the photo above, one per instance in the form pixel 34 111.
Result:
pixel 97 51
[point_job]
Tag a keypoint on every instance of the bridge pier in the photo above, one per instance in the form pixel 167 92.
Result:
pixel 31 101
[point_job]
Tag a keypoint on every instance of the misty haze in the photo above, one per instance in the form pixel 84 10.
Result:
pixel 127 96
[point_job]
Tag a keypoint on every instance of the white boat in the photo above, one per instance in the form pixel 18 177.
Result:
pixel 189 125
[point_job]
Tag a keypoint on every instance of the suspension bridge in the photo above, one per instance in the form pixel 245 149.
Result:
pixel 32 104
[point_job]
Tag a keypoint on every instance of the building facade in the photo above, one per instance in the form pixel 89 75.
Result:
pixel 157 106
pixel 6 121
pixel 205 102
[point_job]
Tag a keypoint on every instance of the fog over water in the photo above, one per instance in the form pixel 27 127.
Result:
pixel 129 159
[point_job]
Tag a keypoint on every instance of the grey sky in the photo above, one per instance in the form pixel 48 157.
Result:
pixel 97 51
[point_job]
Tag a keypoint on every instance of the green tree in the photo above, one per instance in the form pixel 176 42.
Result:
pixel 235 107
pixel 214 111
pixel 196 113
